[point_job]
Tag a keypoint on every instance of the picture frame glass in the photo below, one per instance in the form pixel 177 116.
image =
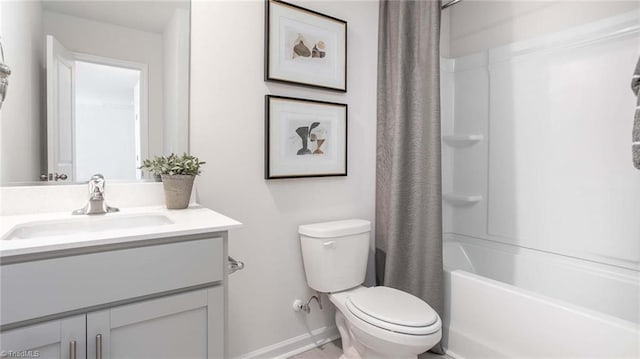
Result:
pixel 306 138
pixel 305 47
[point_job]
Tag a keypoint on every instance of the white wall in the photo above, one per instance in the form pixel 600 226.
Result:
pixel 475 25
pixel 106 40
pixel 176 82
pixel 556 112
pixel 227 130
pixel 21 32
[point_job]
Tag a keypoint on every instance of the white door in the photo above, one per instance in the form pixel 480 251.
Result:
pixel 188 325
pixel 60 109
pixel 63 338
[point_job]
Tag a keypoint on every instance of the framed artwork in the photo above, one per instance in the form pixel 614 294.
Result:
pixel 304 47
pixel 304 138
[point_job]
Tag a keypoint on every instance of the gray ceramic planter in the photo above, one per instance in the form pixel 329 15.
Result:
pixel 177 190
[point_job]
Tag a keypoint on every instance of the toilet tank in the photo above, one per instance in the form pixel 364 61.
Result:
pixel 335 254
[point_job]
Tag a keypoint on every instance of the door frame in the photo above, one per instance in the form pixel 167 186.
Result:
pixel 59 54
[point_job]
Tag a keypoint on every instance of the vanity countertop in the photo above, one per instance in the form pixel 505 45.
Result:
pixel 194 220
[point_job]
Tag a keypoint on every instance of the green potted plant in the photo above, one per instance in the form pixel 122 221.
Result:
pixel 178 174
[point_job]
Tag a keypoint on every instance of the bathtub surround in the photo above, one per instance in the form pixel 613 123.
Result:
pixel 472 26
pixel 511 96
pixel 408 178
pixel 550 110
pixel 635 87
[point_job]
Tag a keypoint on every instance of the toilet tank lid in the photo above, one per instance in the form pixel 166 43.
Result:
pixel 335 229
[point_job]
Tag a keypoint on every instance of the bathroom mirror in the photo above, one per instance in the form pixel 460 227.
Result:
pixel 96 87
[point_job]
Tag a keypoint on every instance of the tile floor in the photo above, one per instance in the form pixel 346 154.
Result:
pixel 333 350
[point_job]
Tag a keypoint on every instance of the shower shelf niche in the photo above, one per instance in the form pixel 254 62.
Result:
pixel 461 199
pixel 462 140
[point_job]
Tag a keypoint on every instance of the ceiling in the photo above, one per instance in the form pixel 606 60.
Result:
pixel 97 83
pixel 150 16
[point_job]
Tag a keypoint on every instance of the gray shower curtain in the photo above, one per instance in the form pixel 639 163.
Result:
pixel 408 171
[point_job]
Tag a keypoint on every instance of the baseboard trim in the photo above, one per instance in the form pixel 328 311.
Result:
pixel 295 345
pixel 453 354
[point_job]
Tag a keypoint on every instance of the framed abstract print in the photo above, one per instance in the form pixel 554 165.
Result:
pixel 304 47
pixel 304 138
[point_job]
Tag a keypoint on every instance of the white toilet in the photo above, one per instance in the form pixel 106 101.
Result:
pixel 376 322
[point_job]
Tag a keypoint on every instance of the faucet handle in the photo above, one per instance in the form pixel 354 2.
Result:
pixel 97 177
pixel 96 185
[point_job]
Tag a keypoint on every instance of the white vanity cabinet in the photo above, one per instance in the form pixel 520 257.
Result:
pixel 188 325
pixel 62 338
pixel 155 298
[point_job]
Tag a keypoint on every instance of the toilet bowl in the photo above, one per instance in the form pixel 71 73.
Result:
pixel 398 325
pixel 374 322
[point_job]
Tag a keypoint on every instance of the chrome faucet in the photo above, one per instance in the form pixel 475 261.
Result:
pixel 96 204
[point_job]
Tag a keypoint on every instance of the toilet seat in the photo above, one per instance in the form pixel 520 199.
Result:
pixel 393 310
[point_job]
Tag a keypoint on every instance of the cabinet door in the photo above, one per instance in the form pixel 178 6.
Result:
pixel 63 338
pixel 188 325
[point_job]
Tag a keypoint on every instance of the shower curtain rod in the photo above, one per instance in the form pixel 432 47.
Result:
pixel 450 3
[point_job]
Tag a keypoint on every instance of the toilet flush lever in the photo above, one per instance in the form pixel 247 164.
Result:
pixel 329 244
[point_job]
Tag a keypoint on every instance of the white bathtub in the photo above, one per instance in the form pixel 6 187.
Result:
pixel 504 301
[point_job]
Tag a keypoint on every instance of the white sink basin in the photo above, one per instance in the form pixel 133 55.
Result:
pixel 85 224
